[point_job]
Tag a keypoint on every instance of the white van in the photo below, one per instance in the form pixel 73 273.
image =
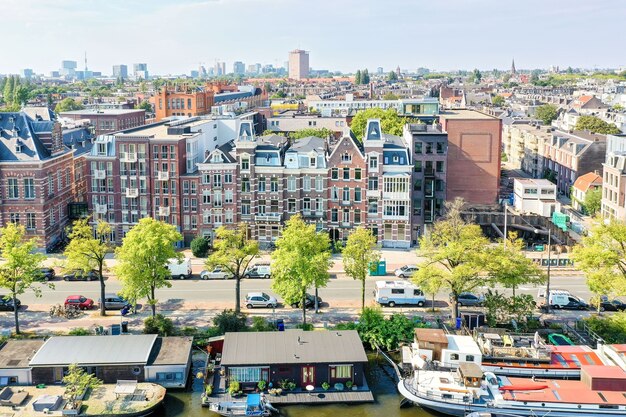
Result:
pixel 557 298
pixel 180 270
pixel 258 271
pixel 391 293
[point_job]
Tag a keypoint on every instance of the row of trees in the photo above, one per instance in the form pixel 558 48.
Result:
pixel 362 77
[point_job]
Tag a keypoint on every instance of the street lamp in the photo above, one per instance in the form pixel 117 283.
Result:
pixel 537 231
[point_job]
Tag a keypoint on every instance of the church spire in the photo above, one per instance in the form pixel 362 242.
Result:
pixel 513 72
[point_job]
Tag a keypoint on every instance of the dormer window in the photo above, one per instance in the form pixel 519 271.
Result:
pixel 346 157
pixel 313 162
pixel 18 147
pixel 215 158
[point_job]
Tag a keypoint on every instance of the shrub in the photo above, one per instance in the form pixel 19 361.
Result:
pixel 233 387
pixel 348 384
pixel 325 386
pixel 158 324
pixel 261 385
pixel 200 247
pixel 612 329
pixel 306 327
pixel 291 386
pixel 208 389
pixel 259 324
pixel 79 331
pixel 230 321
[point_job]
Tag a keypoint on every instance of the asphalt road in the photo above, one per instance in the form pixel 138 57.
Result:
pixel 340 292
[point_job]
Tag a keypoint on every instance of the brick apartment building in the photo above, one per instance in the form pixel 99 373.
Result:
pixel 474 151
pixel 40 174
pixel 108 120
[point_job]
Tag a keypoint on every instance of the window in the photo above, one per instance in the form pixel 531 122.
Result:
pixel 31 224
pixel 418 147
pixel 372 206
pixel 274 184
pixel 341 372
pixel 346 157
pixel 345 216
pixel 417 207
pixel 418 166
pixel 228 216
pixel 245 185
pixel 357 195
pixel 454 357
pixel 245 207
pixel 312 162
pixel 245 374
pixel 262 184
pixel 306 183
pixel 357 216
pixel 373 163
pixel 217 180
pixel 14 192
pixel 29 188
pixel 169 376
pixel 357 174
pixel 439 166
pixel 346 173
pixel 50 184
pixel 334 174
pixel 334 194
pixel 441 147
pixel 319 183
pixel 228 178
pixel 429 148
pixel 334 215
pixel 15 218
pixel 245 164
pixel 291 205
pixel 469 358
pixel 372 183
pixel 185 187
pixel 291 184
pixel 345 195
pixel 228 196
pixel 206 197
pixel 59 180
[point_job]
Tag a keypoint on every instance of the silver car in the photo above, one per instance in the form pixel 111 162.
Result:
pixel 260 299
pixel 114 302
pixel 217 273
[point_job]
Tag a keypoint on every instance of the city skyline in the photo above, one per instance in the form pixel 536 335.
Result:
pixel 370 34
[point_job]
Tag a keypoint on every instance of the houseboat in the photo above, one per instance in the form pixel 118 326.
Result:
pixel 509 355
pixel 254 405
pixel 600 392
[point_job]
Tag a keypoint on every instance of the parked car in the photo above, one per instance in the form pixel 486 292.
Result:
pixel 610 305
pixel 6 304
pixel 260 299
pixel 309 302
pixel 406 271
pixel 46 274
pixel 258 271
pixel 114 302
pixel 399 292
pixel 80 275
pixel 573 303
pixel 180 270
pixel 217 273
pixel 467 299
pixel 79 301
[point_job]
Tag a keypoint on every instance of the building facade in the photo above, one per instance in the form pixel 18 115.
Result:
pixel 298 64
pixel 108 120
pixel 614 179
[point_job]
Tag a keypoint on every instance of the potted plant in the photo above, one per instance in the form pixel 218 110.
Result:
pixel 291 385
pixel 234 388
pixel 208 390
pixel 325 386
pixel 275 391
pixel 261 385
pixel 349 384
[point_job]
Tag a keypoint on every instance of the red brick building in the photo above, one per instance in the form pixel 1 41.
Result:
pixel 109 120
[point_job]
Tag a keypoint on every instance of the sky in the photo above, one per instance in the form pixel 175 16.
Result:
pixel 175 36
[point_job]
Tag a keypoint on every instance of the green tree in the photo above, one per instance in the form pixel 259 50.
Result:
pixel 200 246
pixel 476 76
pixel 357 77
pixel 21 265
pixel 430 279
pixel 392 76
pixel 9 87
pixel 319 133
pixel 159 324
pixel 601 255
pixel 230 321
pixel 301 261
pixel 497 101
pixel 593 201
pixel 358 255
pixel 77 381
pixel 546 113
pixel 146 106
pixel 87 250
pixel 618 107
pixel 143 258
pixel 390 96
pixel 365 77
pixel 391 123
pixel 68 104
pixel 233 251
pixel 596 125
pixel 457 248
pixel 21 95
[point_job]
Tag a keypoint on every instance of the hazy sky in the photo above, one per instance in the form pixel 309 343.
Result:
pixel 174 36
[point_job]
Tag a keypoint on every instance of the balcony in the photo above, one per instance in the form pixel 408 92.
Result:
pixel 100 208
pixel 128 157
pixel 164 211
pixel 396 217
pixel 268 217
pixel 132 192
pixel 163 176
pixel 429 173
pixel 372 193
pixel 312 214
pixel 99 174
pixel 396 196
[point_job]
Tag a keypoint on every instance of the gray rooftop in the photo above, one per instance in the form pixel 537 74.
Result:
pixel 171 351
pixel 18 353
pixel 292 346
pixel 95 350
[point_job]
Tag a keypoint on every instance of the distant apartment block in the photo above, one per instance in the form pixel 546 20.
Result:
pixel 425 107
pixel 140 71
pixel 473 155
pixel 108 120
pixel 298 64
pixel 120 71
pixel 523 142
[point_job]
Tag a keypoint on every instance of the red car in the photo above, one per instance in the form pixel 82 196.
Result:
pixel 79 301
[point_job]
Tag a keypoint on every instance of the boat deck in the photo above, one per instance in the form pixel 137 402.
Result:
pixel 562 357
pixel 561 391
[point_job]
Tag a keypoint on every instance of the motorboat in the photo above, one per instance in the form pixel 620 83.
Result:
pixel 255 405
pixel 600 392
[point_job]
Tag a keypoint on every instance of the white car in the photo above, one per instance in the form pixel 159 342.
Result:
pixel 260 299
pixel 406 271
pixel 217 273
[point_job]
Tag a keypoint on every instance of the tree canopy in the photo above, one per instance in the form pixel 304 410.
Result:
pixel 143 258
pixel 77 381
pixel 601 255
pixel 319 133
pixel 391 123
pixel 233 251
pixel 546 113
pixel 301 261
pixel 593 201
pixel 87 250
pixel 497 101
pixel 392 76
pixel 596 125
pixel 358 255
pixel 21 265
pixel 68 104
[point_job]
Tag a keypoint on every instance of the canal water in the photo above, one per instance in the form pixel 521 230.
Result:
pixel 380 379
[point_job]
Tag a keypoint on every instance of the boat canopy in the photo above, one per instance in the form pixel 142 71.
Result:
pixel 254 401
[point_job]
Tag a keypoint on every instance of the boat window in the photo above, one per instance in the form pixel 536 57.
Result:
pixel 556 395
pixel 446 396
pixel 469 358
pixel 576 361
pixel 612 406
pixel 444 380
pixel 454 357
